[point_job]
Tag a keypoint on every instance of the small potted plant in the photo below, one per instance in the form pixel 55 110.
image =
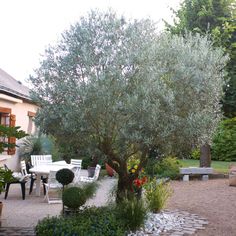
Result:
pixel 109 170
pixel 92 166
pixel 5 176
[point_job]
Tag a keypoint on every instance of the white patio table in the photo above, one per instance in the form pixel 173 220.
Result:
pixel 44 169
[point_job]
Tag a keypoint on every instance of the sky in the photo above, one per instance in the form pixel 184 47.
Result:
pixel 29 26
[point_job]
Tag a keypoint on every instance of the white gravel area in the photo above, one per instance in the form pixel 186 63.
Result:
pixel 171 223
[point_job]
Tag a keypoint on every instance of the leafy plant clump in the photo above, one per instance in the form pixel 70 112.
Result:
pixel 133 213
pixel 195 154
pixel 167 167
pixel 90 189
pixel 5 177
pixel 157 193
pixel 91 221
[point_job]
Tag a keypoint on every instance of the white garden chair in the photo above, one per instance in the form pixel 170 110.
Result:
pixel 40 159
pixel 53 186
pixel 23 169
pixel 19 178
pixel 91 179
pixel 77 168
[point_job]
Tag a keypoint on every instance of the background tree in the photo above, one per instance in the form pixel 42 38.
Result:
pixel 119 89
pixel 218 18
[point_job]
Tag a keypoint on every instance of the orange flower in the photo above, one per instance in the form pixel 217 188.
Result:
pixel 144 180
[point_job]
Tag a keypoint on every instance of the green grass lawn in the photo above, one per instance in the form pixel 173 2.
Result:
pixel 219 166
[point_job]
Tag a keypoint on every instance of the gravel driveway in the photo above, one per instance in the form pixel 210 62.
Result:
pixel 212 199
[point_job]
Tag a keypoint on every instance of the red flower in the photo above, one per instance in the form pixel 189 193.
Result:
pixel 139 182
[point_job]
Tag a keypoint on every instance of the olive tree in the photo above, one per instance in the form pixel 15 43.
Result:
pixel 118 87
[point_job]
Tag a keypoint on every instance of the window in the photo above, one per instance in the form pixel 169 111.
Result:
pixel 7 119
pixel 31 115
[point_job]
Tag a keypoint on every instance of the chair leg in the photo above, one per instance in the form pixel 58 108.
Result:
pixel 44 189
pixel 31 185
pixel 7 189
pixel 23 190
pixel 47 194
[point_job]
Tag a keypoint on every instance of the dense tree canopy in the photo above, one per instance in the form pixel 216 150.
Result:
pixel 218 18
pixel 119 88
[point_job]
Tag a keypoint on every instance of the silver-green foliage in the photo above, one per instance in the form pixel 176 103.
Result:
pixel 120 87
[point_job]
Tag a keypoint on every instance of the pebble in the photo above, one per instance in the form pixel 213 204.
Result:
pixel 171 223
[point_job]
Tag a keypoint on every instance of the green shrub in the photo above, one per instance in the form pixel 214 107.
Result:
pixel 73 197
pixel 195 154
pixel 150 168
pixel 87 161
pixel 90 161
pixel 133 213
pixel 167 167
pixel 224 142
pixel 65 176
pixel 156 194
pixel 89 222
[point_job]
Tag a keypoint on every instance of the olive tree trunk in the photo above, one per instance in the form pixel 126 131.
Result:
pixel 124 188
pixel 205 155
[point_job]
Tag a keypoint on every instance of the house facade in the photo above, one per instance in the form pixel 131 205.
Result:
pixel 16 109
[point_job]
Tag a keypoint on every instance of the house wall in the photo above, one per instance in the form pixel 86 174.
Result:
pixel 20 109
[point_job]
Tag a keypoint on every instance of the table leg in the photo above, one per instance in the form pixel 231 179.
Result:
pixel 38 184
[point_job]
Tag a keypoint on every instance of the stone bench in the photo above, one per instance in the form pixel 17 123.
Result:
pixel 232 176
pixel 204 171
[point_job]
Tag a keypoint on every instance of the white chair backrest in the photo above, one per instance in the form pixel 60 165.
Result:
pixel 36 159
pixel 77 167
pixel 23 168
pixel 44 162
pixel 97 172
pixel 75 162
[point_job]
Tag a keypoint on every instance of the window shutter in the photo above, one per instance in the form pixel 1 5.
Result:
pixel 12 140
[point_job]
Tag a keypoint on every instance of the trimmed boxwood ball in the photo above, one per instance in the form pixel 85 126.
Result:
pixel 65 176
pixel 74 197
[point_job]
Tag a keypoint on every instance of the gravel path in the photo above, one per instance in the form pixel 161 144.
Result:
pixel 213 200
pixel 26 213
